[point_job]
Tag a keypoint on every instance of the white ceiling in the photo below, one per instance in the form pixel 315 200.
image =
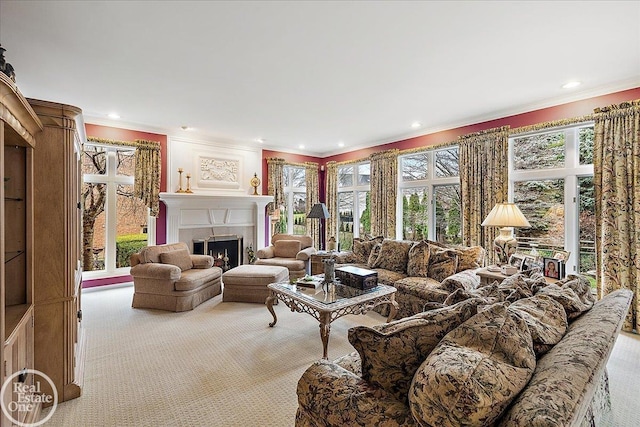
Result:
pixel 317 73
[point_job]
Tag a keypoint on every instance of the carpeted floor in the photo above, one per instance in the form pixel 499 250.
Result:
pixel 221 365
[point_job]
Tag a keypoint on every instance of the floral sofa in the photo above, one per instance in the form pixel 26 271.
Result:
pixel 424 272
pixel 523 353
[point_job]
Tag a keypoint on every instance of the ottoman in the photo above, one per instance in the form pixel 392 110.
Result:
pixel 248 283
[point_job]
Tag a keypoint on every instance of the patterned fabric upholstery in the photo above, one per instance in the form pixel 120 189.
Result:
pixel 393 255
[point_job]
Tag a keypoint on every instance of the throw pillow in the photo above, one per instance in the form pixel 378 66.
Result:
pixel 442 263
pixel 393 255
pixel 362 247
pixel 286 248
pixel 179 258
pixel 545 318
pixel 469 257
pixel 373 256
pixel 473 374
pixel 418 263
pixel 573 305
pixel 391 353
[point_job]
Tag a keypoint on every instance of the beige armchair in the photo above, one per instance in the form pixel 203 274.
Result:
pixel 288 250
pixel 167 277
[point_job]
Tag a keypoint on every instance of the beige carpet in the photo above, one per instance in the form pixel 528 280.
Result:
pixel 221 365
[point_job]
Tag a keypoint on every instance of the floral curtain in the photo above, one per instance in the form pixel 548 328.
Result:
pixel 147 169
pixel 147 174
pixel 483 183
pixel 331 199
pixel 616 162
pixel 275 186
pixel 384 189
pixel 313 197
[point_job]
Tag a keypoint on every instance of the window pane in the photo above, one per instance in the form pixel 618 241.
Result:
pixel 414 213
pixel 345 176
pixel 94 160
pixel 448 214
pixel 299 213
pixel 298 177
pixel 93 226
pixel 131 226
pixel 415 167
pixel 585 136
pixel 345 223
pixel 364 174
pixel 365 213
pixel 587 225
pixel 539 151
pixel 447 162
pixel 542 203
pixel 126 162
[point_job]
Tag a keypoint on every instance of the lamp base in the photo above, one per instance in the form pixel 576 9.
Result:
pixel 505 245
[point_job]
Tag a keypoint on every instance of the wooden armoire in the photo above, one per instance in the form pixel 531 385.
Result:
pixel 58 336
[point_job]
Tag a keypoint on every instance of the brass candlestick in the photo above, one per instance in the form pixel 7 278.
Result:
pixel 188 183
pixel 180 190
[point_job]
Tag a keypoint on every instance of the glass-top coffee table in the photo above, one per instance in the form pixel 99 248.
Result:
pixel 328 305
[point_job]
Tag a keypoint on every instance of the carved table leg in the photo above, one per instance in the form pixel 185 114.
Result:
pixel 393 310
pixel 270 300
pixel 325 328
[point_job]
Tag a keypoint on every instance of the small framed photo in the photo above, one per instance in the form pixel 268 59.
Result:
pixel 528 262
pixel 517 261
pixel 553 268
pixel 562 255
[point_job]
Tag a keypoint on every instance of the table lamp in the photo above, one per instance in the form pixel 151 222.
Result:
pixel 320 211
pixel 506 216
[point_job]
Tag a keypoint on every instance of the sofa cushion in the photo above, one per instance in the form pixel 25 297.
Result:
pixel 393 255
pixel 197 277
pixel 573 293
pixel 388 277
pixel 373 255
pixel 391 353
pixel 362 247
pixel 418 262
pixel 442 263
pixel 469 257
pixel 546 319
pixel 286 248
pixel 179 258
pixel 475 371
pixel 152 253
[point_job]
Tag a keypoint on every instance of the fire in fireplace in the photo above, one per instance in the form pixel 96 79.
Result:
pixel 220 247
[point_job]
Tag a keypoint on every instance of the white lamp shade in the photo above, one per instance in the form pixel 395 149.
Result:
pixel 505 215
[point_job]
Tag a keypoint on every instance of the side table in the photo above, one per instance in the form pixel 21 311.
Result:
pixel 317 267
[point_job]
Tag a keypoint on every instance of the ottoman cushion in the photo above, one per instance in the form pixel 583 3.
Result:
pixel 248 283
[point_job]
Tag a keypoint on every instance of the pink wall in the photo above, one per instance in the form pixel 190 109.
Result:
pixel 118 134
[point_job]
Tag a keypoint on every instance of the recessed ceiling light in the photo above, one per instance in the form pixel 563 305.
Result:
pixel 260 140
pixel 340 144
pixel 416 125
pixel 187 128
pixel 301 146
pixel 570 85
pixel 114 116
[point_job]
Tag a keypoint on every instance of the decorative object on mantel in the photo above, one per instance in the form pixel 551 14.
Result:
pixel 255 181
pixel 506 216
pixel 5 67
pixel 188 190
pixel 180 190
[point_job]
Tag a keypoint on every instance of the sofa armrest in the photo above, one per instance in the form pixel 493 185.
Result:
pixel 135 259
pixel 304 254
pixel 202 261
pixel 465 279
pixel 154 270
pixel 267 252
pixel 334 396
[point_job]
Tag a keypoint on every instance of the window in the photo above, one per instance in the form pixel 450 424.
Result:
pixel 430 203
pixel 293 219
pixel 114 222
pixel 551 181
pixel 353 203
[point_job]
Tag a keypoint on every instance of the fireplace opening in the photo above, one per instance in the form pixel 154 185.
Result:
pixel 220 247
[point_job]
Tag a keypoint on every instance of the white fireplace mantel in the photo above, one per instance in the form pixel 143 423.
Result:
pixel 208 211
